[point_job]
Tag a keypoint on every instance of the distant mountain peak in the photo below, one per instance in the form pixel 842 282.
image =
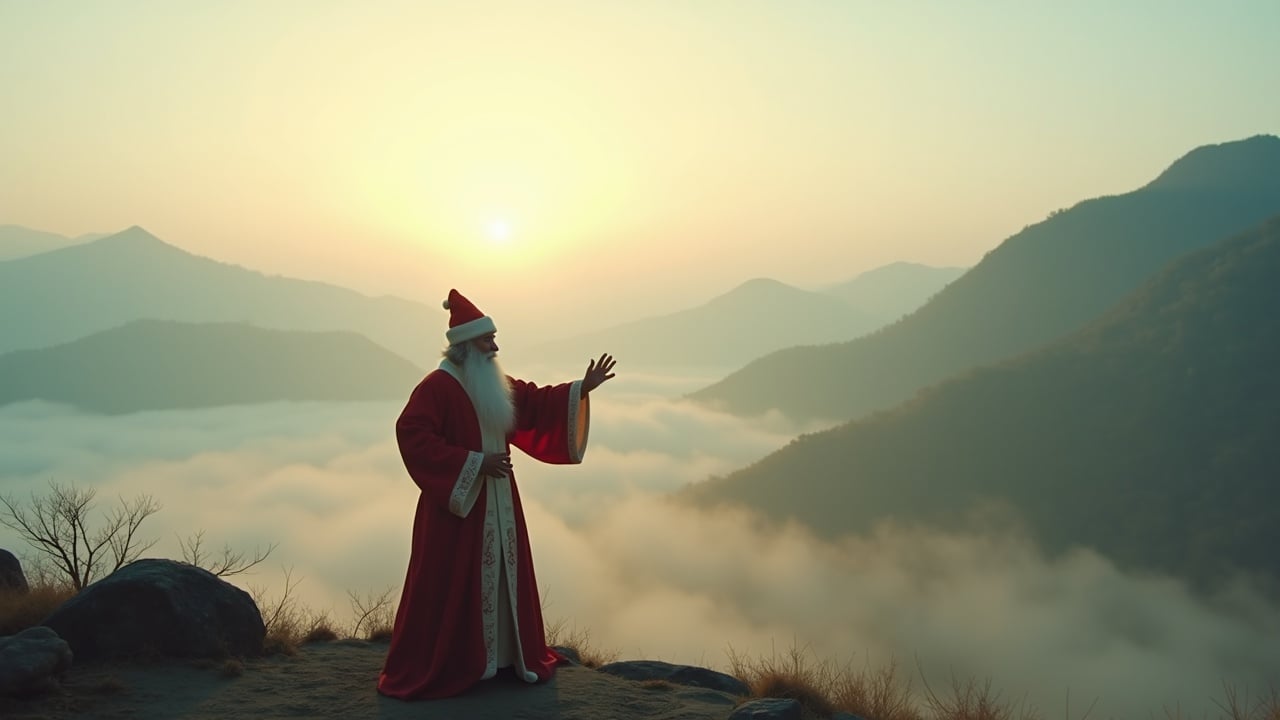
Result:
pixel 1227 165
pixel 759 284
pixel 132 235
pixel 758 290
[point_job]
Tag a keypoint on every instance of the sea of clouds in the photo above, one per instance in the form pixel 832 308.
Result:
pixel 651 578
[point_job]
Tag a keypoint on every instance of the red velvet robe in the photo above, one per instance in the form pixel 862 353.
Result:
pixel 465 530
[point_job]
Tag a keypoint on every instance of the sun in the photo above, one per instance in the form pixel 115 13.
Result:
pixel 498 230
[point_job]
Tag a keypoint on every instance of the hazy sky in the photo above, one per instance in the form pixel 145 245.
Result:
pixel 661 152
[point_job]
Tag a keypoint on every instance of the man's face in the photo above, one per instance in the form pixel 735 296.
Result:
pixel 486 345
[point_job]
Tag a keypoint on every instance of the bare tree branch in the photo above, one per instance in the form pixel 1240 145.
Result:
pixel 231 563
pixel 58 526
pixel 372 611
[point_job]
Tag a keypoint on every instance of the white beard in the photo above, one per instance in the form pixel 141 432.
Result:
pixel 486 384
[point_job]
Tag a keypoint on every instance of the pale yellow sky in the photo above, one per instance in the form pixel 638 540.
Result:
pixel 656 153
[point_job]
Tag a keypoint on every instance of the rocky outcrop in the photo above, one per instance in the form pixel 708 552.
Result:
pixel 568 653
pixel 11 575
pixel 160 608
pixel 32 661
pixel 676 674
pixel 768 709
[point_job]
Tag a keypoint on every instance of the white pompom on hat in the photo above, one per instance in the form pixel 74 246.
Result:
pixel 466 322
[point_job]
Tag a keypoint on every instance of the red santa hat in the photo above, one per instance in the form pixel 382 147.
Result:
pixel 466 322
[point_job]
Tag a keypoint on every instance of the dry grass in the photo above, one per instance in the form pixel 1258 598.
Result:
pixel 656 685
pixel 879 694
pixel 322 632
pixel 1263 707
pixel 560 633
pixel 290 625
pixel 825 687
pixel 971 700
pixel 793 675
pixel 231 668
pixel 19 611
pixel 1238 706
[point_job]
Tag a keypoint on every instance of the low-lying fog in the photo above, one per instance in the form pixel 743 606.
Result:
pixel 651 579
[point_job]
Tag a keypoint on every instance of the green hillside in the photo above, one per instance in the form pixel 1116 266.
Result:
pixel 151 365
pixel 1044 282
pixel 1149 435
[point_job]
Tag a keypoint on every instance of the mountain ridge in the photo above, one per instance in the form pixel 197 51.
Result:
pixel 1147 434
pixel 163 364
pixel 70 292
pixel 755 316
pixel 1045 281
pixel 17 241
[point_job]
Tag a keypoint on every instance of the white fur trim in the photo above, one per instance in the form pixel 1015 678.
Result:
pixel 470 330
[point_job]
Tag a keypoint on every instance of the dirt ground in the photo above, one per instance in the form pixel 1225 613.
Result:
pixel 337 680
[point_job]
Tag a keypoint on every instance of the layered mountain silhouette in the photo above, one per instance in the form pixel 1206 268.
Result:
pixel 757 317
pixel 754 318
pixel 887 293
pixel 1149 435
pixel 1047 280
pixel 58 296
pixel 17 241
pixel 157 365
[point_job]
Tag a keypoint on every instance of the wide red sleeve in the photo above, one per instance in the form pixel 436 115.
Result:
pixel 434 435
pixel 552 421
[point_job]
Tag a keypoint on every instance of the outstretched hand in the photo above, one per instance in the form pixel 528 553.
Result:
pixel 597 372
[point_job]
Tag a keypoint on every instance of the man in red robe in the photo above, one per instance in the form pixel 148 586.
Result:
pixel 470 604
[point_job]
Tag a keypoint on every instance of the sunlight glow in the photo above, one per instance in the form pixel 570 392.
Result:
pixel 498 230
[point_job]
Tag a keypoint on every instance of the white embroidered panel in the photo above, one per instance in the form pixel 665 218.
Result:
pixel 501 487
pixel 467 487
pixel 489 568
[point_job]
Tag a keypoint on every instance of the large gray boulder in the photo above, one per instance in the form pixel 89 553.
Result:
pixel 11 575
pixel 152 608
pixel 690 675
pixel 32 661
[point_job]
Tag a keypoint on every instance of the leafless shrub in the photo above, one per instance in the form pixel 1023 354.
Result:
pixel 61 527
pixel 373 613
pixel 559 633
pixel 283 619
pixel 231 562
